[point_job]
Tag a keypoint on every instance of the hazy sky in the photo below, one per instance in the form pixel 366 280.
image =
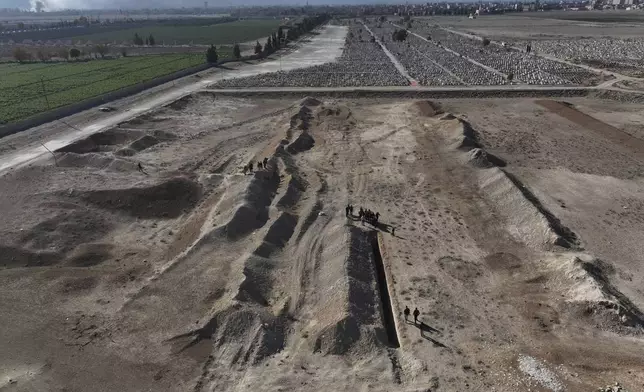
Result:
pixel 112 4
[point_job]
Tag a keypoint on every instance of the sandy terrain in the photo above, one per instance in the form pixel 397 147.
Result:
pixel 518 227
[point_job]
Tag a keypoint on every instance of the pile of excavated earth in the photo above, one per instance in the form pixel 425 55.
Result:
pixel 147 257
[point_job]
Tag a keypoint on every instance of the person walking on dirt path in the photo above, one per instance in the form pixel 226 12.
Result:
pixel 245 169
pixel 346 211
pixel 259 165
pixel 265 161
pixel 416 314
pixel 250 166
pixel 406 312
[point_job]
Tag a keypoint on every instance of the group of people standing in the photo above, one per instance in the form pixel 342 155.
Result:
pixel 260 165
pixel 369 216
pixel 365 215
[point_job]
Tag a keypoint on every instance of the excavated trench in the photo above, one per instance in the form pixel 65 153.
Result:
pixel 383 288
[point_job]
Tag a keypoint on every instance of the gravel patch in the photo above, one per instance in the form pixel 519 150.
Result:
pixel 539 372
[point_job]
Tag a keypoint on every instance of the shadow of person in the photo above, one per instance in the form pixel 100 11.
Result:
pixel 436 342
pixel 427 328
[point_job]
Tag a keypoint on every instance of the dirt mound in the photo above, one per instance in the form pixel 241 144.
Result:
pixel 478 157
pixel 248 336
pixel 169 199
pixel 141 144
pixel 98 161
pixel 181 103
pixel 566 237
pixel 335 111
pixel 349 316
pixel 338 338
pixel 102 141
pixel 526 222
pixel 88 255
pixel 278 234
pixel 115 140
pixel 77 285
pixel 301 118
pixel 586 284
pixel 295 187
pixel 257 286
pixel 428 108
pixel 459 134
pixel 303 142
pixel 15 257
pixel 87 160
pixel 309 101
pixel 66 230
pixel 252 214
pixel 125 152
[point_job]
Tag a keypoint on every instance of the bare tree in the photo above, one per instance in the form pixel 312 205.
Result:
pixel 63 53
pixel 102 50
pixel 22 55
pixel 42 55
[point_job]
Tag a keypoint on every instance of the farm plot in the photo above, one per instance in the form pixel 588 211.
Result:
pixel 28 89
pixel 217 34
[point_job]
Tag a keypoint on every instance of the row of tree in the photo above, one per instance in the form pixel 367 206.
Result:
pixel 139 41
pixel 277 40
pixel 22 55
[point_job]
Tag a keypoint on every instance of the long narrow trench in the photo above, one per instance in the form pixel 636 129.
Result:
pixel 383 288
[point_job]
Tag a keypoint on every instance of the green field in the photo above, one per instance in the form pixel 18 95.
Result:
pixel 28 89
pixel 217 34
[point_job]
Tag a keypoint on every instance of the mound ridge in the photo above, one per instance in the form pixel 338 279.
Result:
pixel 528 220
pixel 428 108
pixel 349 315
pixel 588 289
pixel 168 199
pixel 252 213
pixel 102 141
pixel 124 142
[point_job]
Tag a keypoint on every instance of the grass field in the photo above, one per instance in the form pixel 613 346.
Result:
pixel 28 89
pixel 217 34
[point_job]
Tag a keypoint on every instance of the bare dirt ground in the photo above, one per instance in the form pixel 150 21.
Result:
pixel 518 227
